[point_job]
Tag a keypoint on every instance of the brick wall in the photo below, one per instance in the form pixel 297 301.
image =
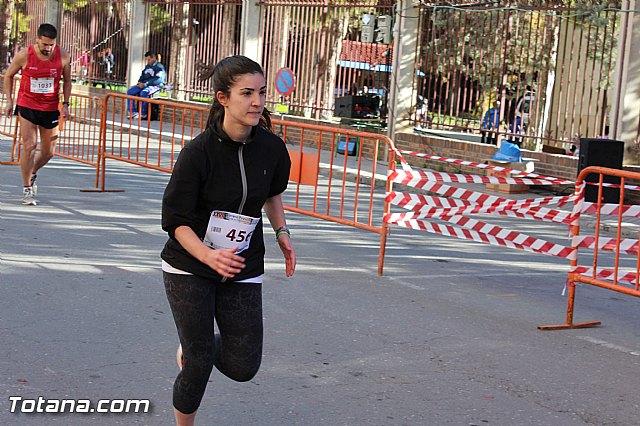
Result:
pixel 562 166
pixel 556 165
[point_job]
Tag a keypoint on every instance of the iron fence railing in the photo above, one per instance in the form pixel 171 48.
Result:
pixel 191 36
pixel 96 35
pixel 322 43
pixel 549 64
pixel 20 22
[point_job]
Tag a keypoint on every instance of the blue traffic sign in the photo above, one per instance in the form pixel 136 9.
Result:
pixel 285 81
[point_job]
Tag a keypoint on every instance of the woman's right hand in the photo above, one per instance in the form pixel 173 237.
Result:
pixel 224 261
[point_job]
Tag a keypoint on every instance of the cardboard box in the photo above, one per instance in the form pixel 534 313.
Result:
pixel 526 165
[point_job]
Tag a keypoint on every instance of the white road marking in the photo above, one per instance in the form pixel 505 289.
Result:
pixel 609 345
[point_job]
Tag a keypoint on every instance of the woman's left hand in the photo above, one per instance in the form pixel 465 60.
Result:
pixel 284 241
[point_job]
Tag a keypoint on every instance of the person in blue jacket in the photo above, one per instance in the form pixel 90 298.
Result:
pixel 491 124
pixel 150 82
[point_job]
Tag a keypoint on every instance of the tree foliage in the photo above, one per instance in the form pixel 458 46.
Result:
pixel 159 18
pixel 74 5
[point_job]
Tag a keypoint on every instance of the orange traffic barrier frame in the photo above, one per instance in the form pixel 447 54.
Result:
pixel 79 135
pixel 336 171
pixel 77 138
pixel 624 274
pixel 340 175
pixel 9 128
pixel 153 144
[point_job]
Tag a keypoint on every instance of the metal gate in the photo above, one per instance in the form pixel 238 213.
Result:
pixel 321 42
pixel 192 35
pixel 96 35
pixel 20 22
pixel 549 65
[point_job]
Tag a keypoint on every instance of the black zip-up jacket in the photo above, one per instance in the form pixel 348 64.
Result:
pixel 214 172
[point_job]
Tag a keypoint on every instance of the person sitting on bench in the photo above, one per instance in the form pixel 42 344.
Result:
pixel 150 82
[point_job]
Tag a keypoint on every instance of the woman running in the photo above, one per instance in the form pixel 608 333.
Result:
pixel 213 262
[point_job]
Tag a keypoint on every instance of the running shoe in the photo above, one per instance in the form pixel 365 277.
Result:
pixel 34 185
pixel 28 198
pixel 179 357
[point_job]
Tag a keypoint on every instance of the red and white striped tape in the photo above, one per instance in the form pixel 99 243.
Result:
pixel 463 194
pixel 553 180
pixel 426 207
pixel 469 202
pixel 519 241
pixel 626 245
pixel 607 274
pixel 419 178
pixel 521 173
pixel 611 209
pixel 413 201
pixel 465 202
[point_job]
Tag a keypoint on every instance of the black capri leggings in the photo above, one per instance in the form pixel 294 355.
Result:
pixel 236 351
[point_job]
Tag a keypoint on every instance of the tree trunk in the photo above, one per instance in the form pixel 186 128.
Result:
pixel 330 37
pixel 339 30
pixel 179 46
pixel 6 55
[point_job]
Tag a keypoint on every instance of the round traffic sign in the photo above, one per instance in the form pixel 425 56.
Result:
pixel 285 81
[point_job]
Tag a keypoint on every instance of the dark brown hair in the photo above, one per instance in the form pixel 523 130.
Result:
pixel 223 76
pixel 48 31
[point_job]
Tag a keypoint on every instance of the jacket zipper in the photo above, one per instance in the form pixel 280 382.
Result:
pixel 243 175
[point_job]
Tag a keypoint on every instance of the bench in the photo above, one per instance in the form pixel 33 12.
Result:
pixel 154 114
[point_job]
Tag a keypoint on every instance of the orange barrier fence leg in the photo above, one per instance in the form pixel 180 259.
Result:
pixel 383 245
pixel 569 324
pixel 14 159
pixel 102 159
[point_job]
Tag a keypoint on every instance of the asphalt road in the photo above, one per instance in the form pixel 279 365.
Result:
pixel 446 337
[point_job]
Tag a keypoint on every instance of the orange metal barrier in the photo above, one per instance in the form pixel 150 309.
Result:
pixel 9 127
pixel 336 171
pixel 340 175
pixel 79 135
pixel 143 142
pixel 620 254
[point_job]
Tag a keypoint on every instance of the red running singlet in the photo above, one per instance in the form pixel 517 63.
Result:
pixel 40 84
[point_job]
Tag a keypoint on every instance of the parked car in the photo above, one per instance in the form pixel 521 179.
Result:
pixel 520 110
pixel 518 116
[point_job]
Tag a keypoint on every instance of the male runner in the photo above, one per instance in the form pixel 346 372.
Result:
pixel 43 65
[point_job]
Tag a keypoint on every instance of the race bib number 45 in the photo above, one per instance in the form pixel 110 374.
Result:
pixel 42 85
pixel 228 230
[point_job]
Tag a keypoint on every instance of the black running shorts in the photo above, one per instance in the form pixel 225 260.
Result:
pixel 46 119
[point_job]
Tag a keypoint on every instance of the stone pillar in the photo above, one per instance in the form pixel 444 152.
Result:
pixel 177 76
pixel 401 93
pixel 52 13
pixel 138 35
pixel 625 107
pixel 251 42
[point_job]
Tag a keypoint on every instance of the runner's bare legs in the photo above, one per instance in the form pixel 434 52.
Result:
pixel 184 419
pixel 29 162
